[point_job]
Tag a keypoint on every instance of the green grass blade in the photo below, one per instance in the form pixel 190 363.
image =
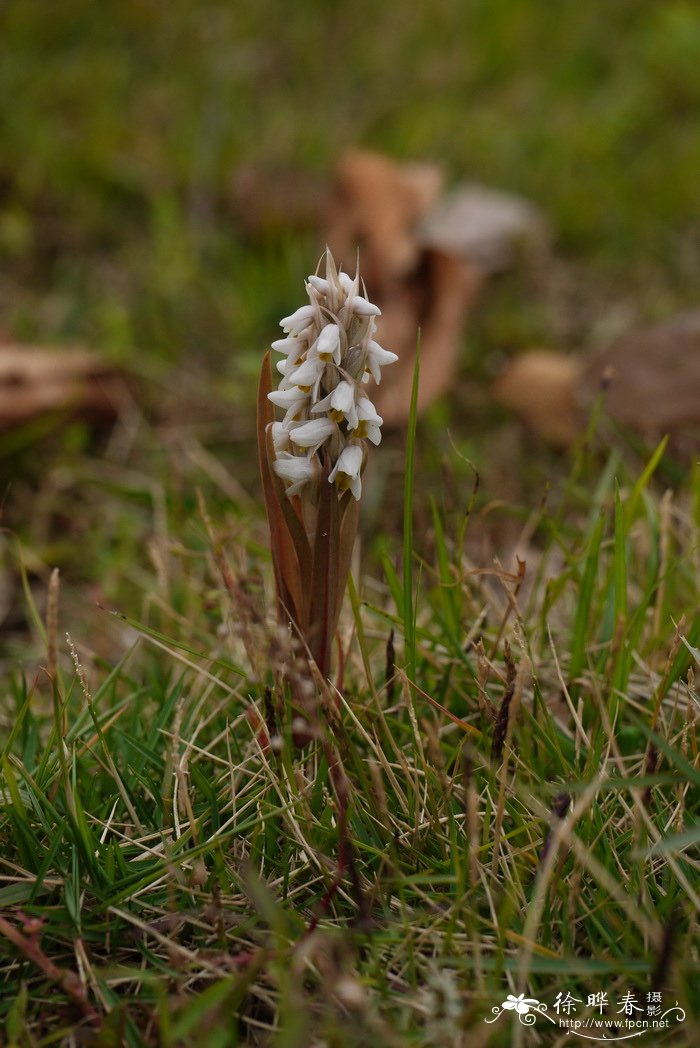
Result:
pixel 408 609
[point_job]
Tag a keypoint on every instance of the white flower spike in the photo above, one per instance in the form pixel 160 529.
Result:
pixel 330 354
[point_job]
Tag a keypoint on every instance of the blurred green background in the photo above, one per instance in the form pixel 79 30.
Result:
pixel 125 124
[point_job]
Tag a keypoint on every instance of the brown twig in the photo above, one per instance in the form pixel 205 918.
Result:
pixel 68 981
pixel 503 717
pixel 560 807
pixel 390 672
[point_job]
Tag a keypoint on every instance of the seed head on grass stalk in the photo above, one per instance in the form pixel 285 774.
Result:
pixel 313 449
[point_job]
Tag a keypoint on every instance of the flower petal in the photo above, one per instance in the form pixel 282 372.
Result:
pixel 341 400
pixel 298 320
pixel 286 398
pixel 362 307
pixel 312 434
pixel 306 374
pixel 280 437
pixel 291 346
pixel 349 462
pixel 377 358
pixel 327 345
pixel 319 284
pixel 296 469
pixel 348 285
pixel 368 421
pixel 367 411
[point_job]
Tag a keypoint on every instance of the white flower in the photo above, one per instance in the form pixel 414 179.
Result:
pixel 349 286
pixel 306 375
pixel 299 320
pixel 327 345
pixel 296 469
pixel 368 421
pixel 293 347
pixel 319 284
pixel 280 437
pixel 292 401
pixel 313 434
pixel 340 404
pixel 346 472
pixel 377 358
pixel 363 308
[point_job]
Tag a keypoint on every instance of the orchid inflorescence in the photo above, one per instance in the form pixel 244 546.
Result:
pixel 311 460
pixel 329 354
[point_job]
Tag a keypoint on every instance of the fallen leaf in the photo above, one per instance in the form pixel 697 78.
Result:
pixel 436 302
pixel 541 387
pixel 425 261
pixel 376 206
pixel 652 381
pixel 490 228
pixel 35 381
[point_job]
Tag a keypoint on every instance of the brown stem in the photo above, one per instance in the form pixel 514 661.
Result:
pixel 67 980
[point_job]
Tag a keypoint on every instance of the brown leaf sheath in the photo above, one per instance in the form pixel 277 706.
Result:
pixel 289 546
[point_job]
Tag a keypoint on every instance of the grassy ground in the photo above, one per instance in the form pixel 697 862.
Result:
pixel 525 819
pixel 190 879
